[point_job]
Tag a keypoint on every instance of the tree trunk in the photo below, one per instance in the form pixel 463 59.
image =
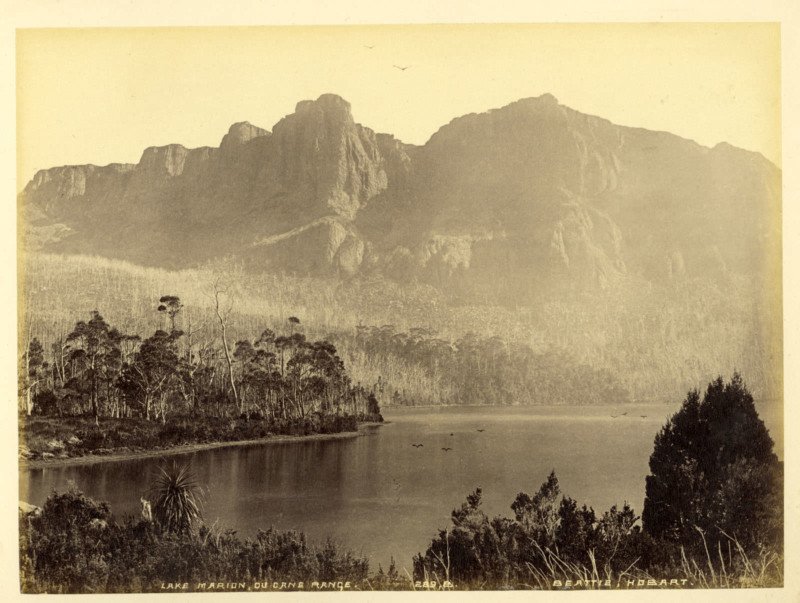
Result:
pixel 223 328
pixel 95 411
pixel 189 340
pixel 28 401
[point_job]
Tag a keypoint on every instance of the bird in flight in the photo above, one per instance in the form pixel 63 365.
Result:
pixel 370 47
pixel 643 416
pixel 480 430
pixel 446 449
pixel 401 68
pixel 623 414
pixel 417 445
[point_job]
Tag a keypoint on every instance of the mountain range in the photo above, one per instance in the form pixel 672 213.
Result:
pixel 527 199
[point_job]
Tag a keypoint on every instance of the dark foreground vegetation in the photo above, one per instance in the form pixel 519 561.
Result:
pixel 101 390
pixel 713 517
pixel 73 545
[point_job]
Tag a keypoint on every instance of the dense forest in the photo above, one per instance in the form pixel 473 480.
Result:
pixel 487 370
pixel 99 371
pixel 175 387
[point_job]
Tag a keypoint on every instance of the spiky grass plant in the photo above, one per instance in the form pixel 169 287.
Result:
pixel 178 498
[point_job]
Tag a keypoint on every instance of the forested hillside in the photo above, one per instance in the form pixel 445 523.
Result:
pixel 425 347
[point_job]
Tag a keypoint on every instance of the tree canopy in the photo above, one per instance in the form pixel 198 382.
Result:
pixel 713 471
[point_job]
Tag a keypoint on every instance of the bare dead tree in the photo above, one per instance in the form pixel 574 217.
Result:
pixel 192 363
pixel 225 280
pixel 29 386
pixel 222 316
pixel 59 349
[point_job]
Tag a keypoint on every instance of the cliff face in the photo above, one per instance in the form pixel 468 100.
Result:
pixel 322 161
pixel 533 196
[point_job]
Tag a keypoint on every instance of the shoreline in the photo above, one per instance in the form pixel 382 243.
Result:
pixel 190 448
pixel 391 408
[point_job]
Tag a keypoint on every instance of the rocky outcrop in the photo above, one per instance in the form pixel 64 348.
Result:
pixel 161 162
pixel 239 134
pixel 324 245
pixel 321 159
pixel 54 190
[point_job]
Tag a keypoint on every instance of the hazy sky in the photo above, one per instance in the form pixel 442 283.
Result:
pixel 103 95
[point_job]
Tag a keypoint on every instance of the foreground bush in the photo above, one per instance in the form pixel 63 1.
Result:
pixel 713 514
pixel 552 543
pixel 74 546
pixel 714 475
pixel 549 536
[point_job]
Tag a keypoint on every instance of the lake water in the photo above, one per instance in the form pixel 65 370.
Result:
pixel 380 496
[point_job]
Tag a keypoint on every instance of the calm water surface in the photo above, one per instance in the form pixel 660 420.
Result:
pixel 382 497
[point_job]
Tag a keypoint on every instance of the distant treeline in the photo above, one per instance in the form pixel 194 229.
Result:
pixel 484 370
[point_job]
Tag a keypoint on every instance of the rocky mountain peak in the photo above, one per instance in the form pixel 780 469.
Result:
pixel 331 164
pixel 167 160
pixel 240 133
pixel 543 100
pixel 327 103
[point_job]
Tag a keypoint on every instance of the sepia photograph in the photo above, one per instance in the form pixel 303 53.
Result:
pixel 400 307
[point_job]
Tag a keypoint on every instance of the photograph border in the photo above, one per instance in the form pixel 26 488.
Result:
pixel 94 13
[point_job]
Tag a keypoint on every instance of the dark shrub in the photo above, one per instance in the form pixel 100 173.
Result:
pixel 46 403
pixel 74 547
pixel 713 472
pixel 92 438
